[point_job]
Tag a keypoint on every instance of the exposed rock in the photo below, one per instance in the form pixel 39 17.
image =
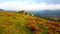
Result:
pixel 24 12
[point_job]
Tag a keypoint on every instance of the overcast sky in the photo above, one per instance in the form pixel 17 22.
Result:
pixel 30 4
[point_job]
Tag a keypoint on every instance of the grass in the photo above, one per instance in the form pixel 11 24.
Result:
pixel 15 23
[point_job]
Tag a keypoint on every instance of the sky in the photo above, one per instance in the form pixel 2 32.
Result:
pixel 30 4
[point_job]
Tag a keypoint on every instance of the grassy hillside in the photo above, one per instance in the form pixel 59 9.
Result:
pixel 16 23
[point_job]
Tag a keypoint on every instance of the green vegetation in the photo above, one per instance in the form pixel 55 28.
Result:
pixel 17 23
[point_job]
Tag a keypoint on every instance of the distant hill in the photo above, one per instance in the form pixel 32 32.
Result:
pixel 2 10
pixel 17 23
pixel 47 13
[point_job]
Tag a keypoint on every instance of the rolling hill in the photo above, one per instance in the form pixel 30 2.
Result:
pixel 51 13
pixel 2 10
pixel 17 23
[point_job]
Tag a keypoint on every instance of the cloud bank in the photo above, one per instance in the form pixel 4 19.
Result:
pixel 28 6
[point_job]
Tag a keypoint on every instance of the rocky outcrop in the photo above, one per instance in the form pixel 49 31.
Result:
pixel 26 13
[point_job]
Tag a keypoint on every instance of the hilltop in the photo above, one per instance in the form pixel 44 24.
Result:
pixel 17 23
pixel 2 10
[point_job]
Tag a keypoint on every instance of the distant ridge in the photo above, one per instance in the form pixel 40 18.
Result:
pixel 2 10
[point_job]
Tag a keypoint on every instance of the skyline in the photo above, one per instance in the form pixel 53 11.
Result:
pixel 30 4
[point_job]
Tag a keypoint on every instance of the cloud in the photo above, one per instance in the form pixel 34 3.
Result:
pixel 28 6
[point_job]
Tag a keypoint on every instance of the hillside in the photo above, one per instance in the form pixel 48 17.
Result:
pixel 2 10
pixel 16 23
pixel 51 13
